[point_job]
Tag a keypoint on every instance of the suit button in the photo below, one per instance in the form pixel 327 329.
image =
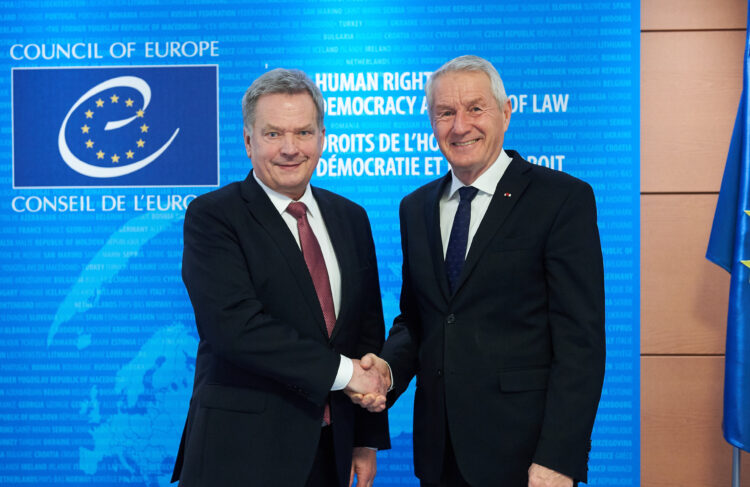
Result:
pixel 440 372
pixel 451 319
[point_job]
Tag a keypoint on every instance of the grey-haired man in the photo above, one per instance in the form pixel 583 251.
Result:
pixel 284 284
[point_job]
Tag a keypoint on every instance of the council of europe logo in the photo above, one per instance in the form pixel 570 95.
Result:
pixel 115 127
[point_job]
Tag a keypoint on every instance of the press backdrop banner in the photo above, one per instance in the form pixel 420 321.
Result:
pixel 117 114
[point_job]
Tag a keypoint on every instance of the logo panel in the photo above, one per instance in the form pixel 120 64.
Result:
pixel 115 127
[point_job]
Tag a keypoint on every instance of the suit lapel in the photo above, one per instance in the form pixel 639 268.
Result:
pixel 434 239
pixel 508 192
pixel 342 244
pixel 268 217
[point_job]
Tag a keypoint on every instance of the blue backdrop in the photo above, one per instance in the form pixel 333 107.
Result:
pixel 115 116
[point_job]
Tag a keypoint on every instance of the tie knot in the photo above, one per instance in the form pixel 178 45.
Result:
pixel 297 209
pixel 467 193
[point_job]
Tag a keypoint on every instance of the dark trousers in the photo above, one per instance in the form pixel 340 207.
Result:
pixel 323 473
pixel 451 476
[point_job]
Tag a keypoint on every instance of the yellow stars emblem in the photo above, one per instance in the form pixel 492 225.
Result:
pixel 128 152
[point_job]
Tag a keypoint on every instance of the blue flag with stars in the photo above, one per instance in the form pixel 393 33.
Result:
pixel 115 127
pixel 729 247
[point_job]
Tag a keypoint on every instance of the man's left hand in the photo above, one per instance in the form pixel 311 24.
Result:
pixel 540 476
pixel 364 465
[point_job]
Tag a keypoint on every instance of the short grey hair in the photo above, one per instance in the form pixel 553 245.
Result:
pixel 469 63
pixel 280 80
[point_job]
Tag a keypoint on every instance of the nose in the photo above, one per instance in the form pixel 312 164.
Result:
pixel 289 146
pixel 461 123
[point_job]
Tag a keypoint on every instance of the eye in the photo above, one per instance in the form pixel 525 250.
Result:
pixel 305 133
pixel 476 109
pixel 272 135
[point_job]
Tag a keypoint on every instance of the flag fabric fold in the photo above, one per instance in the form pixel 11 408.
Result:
pixel 729 247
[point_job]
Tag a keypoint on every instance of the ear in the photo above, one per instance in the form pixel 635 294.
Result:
pixel 248 147
pixel 507 110
pixel 323 140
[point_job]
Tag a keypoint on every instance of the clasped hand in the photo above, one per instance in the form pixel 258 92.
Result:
pixel 370 383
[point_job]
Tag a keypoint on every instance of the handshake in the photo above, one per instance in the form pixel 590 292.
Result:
pixel 370 383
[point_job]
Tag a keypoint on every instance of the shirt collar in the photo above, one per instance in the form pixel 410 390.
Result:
pixel 281 201
pixel 487 181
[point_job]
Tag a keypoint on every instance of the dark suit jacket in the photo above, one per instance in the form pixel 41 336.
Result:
pixel 513 361
pixel 265 364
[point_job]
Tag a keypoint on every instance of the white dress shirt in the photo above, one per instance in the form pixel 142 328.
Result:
pixel 486 183
pixel 318 227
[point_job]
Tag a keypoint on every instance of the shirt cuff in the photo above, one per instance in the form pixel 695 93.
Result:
pixel 344 375
pixel 390 372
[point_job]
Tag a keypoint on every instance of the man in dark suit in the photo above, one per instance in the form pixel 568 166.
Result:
pixel 284 284
pixel 502 304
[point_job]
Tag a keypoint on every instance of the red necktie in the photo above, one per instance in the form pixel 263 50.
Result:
pixel 318 271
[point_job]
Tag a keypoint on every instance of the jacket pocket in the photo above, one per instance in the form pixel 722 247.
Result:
pixel 524 380
pixel 239 399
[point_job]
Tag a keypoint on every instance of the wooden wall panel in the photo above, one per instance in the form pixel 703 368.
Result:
pixel 681 404
pixel 693 14
pixel 683 295
pixel 691 79
pixel 690 87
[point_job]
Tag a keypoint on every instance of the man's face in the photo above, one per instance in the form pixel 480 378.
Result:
pixel 468 124
pixel 286 142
